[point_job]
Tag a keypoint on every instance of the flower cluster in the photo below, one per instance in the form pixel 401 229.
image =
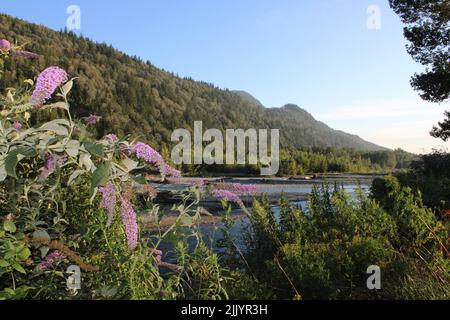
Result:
pixel 167 170
pixel 92 119
pixel 243 188
pixel 5 45
pixel 17 125
pixel 26 54
pixel 157 253
pixel 226 195
pixel 53 161
pixel 51 259
pixel 109 200
pixel 129 221
pixel 111 138
pixel 47 82
pixel 144 152
pixel 232 192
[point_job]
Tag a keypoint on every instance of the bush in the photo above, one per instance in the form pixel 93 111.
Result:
pixel 68 199
pixel 323 252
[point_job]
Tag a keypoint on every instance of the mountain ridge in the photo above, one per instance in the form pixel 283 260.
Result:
pixel 121 89
pixel 294 108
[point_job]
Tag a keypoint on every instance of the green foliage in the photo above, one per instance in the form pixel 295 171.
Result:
pixel 296 162
pixel 430 175
pixel 323 252
pixel 13 253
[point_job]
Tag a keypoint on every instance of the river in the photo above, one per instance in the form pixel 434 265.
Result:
pixel 295 190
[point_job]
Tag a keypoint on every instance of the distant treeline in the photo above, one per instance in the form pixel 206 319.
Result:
pixel 294 162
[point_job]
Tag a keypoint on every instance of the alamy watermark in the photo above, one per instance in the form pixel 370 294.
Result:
pixel 374 281
pixel 74 280
pixel 374 20
pixel 73 22
pixel 231 150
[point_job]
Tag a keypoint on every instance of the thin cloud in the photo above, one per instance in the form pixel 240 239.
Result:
pixel 374 109
pixel 396 123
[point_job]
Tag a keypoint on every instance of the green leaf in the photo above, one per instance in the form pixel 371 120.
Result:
pixel 19 268
pixel 140 179
pixel 11 163
pixel 59 126
pixel 73 148
pixel 85 161
pixel 9 226
pixel 3 173
pixel 10 254
pixel 67 87
pixel 101 175
pixel 28 152
pixel 24 254
pixel 130 164
pixel 44 251
pixel 186 220
pixel 94 149
pixel 4 263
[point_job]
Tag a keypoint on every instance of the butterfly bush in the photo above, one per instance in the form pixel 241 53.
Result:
pixel 47 82
pixel 62 148
pixel 129 220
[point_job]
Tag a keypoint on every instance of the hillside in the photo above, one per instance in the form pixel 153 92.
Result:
pixel 134 97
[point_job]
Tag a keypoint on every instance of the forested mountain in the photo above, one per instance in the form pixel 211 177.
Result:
pixel 134 97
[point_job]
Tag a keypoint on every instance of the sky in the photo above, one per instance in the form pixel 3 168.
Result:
pixel 338 59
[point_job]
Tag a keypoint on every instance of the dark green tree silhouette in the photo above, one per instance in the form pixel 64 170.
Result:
pixel 428 31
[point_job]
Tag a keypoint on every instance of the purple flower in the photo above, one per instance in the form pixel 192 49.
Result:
pixel 51 259
pixel 157 253
pixel 167 170
pixel 46 84
pixel 53 161
pixel 111 138
pixel 109 200
pixel 243 189
pixel 26 54
pixel 130 223
pixel 17 125
pixel 5 45
pixel 92 119
pixel 226 195
pixel 144 152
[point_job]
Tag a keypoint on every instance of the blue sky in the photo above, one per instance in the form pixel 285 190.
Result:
pixel 318 54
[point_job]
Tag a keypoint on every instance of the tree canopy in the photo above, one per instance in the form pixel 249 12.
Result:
pixel 428 32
